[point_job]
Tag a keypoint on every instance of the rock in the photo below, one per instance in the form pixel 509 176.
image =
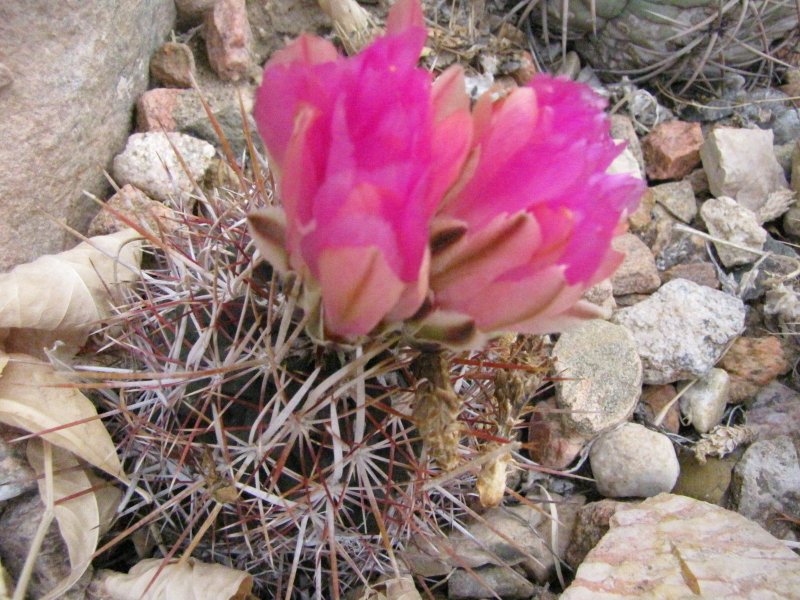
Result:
pixel 708 481
pixel 521 535
pixel 752 363
pixel 595 392
pixel 637 274
pixel 641 218
pixel 625 163
pixel 783 154
pixel 19 522
pixel 553 443
pixel 78 69
pixel 133 204
pixel 678 198
pixel 740 164
pixel 632 460
pixel 591 525
pixel 672 149
pixel 701 273
pixel 654 399
pixel 791 222
pixel 699 182
pixel 673 246
pixel 729 221
pixel 676 547
pixel 775 411
pixel 601 294
pixel 228 39
pixel 165 109
pixel 193 10
pixel 796 167
pixel 682 329
pixel 6 77
pixel 703 404
pixel 778 203
pixel 16 475
pixel 173 65
pixel 150 164
pixel 622 129
pixel 486 582
pixel 155 110
pixel 766 485
pixel 274 22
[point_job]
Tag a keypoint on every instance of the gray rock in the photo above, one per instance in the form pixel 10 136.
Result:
pixel 637 274
pixel 703 404
pixel 149 163
pixel 632 460
pixel 775 411
pixel 682 329
pixel 740 163
pixel 766 485
pixel 520 535
pixel 671 245
pixel 596 392
pixel 77 68
pixel 791 222
pixel 728 220
pixel 488 582
pixel 678 198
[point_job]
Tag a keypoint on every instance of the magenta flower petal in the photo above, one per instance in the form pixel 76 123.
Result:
pixel 363 149
pixel 540 154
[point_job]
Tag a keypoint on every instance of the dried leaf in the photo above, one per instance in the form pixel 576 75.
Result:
pixel 62 296
pixel 190 580
pixel 400 588
pixel 30 400
pixel 76 510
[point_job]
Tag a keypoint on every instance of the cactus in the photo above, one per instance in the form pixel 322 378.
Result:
pixel 682 43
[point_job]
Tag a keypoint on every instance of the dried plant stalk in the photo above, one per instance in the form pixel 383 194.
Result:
pixel 436 409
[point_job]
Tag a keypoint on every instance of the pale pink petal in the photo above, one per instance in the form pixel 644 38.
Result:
pixel 358 289
pixel 479 257
pixel 305 50
pixel 529 305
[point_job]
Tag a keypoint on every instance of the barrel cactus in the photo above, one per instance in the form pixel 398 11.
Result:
pixel 681 42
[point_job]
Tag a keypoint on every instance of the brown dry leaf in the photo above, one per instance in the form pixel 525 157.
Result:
pixel 78 517
pixel 399 588
pixel 62 296
pixel 190 580
pixel 29 400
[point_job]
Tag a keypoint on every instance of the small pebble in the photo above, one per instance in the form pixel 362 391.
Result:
pixel 703 404
pixel 633 461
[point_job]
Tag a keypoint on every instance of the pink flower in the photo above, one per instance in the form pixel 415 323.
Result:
pixel 527 228
pixel 363 148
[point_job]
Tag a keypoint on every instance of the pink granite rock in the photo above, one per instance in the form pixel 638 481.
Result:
pixel 228 39
pixel 654 399
pixel 637 274
pixel 131 203
pixel 752 363
pixel 676 547
pixel 702 273
pixel 155 110
pixel 672 149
